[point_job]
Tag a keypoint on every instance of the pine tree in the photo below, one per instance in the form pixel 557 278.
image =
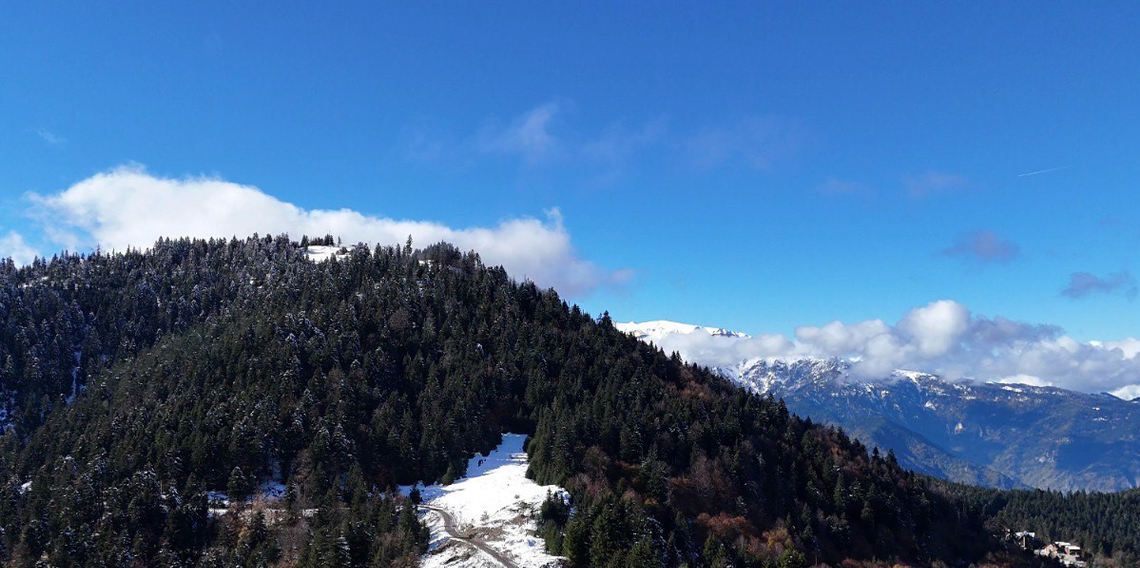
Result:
pixel 239 485
pixel 576 544
pixel 643 555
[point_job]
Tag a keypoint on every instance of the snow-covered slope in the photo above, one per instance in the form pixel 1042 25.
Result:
pixel 1004 435
pixel 495 504
pixel 318 253
pixel 655 330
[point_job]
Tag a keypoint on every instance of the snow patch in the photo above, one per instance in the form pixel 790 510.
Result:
pixel 75 386
pixel 320 253
pixel 272 490
pixel 219 502
pixel 495 501
pixel 7 410
pixel 913 376
pixel 655 330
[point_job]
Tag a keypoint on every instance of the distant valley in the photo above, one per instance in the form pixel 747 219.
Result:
pixel 992 434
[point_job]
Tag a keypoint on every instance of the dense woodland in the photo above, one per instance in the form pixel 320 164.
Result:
pixel 138 383
pixel 1105 525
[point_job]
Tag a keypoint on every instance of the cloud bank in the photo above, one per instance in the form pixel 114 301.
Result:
pixel 942 337
pixel 128 207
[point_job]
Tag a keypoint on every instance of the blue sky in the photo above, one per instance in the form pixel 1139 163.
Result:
pixel 753 167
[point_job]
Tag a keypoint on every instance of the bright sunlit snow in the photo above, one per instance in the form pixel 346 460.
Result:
pixel 497 503
pixel 318 253
pixel 655 330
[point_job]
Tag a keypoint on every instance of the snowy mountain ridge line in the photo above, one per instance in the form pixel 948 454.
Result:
pixel 762 373
pixel 653 331
pixel 661 328
pixel 970 431
pixel 943 337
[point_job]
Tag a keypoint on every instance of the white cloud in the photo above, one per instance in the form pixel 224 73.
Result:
pixel 936 327
pixel 528 135
pixel 551 135
pixel 1024 380
pixel 49 136
pixel 1129 392
pixel 128 207
pixel 942 337
pixel 617 142
pixel 838 337
pixel 983 246
pixel 1129 347
pixel 755 142
pixel 15 247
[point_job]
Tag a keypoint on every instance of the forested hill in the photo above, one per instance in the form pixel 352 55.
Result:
pixel 138 382
pixel 1105 525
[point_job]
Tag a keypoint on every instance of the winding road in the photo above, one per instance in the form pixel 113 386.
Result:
pixel 451 528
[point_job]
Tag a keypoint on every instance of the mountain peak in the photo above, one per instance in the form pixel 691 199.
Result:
pixel 971 431
pixel 654 330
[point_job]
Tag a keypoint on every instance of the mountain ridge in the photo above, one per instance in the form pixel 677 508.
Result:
pixel 661 328
pixel 1005 435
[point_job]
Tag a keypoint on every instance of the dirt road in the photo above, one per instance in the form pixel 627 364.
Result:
pixel 452 529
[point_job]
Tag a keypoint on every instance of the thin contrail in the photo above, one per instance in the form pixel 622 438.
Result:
pixel 1027 174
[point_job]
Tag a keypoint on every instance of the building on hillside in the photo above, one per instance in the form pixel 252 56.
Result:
pixel 1025 539
pixel 1067 553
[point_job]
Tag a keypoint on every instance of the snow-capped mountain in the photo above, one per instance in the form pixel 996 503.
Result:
pixel 655 330
pixel 1003 435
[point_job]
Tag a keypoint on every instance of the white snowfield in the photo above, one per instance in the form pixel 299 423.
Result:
pixel 495 503
pixel 318 253
pixel 655 330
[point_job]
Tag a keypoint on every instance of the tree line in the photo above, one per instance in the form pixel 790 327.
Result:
pixel 140 384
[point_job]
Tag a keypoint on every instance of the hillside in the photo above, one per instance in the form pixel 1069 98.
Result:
pixel 993 434
pixel 1013 434
pixel 1104 524
pixel 141 384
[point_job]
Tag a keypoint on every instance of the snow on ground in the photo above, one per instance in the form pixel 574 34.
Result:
pixel 656 330
pixel 7 409
pixel 495 502
pixel 318 253
pixel 268 491
pixel 446 553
